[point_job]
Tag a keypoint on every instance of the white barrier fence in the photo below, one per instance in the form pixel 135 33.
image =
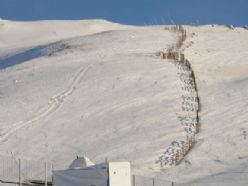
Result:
pixel 21 171
pixel 145 181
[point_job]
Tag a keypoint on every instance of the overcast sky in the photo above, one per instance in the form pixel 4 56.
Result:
pixel 137 12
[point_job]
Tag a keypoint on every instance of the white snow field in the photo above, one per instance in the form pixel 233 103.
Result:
pixel 98 88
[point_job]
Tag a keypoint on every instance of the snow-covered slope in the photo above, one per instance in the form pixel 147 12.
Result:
pixel 20 34
pixel 98 88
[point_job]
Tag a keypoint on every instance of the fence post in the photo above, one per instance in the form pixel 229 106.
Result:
pixel 52 167
pixel 45 173
pixel 20 172
pixel 133 180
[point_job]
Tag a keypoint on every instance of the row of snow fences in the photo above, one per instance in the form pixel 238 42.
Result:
pixel 190 104
pixel 232 179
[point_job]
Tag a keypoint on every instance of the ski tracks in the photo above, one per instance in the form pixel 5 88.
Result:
pixel 54 104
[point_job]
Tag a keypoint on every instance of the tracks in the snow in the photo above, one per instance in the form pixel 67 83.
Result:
pixel 54 104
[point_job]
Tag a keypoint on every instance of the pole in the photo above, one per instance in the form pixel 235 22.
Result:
pixel 45 173
pixel 133 180
pixel 153 182
pixel 20 172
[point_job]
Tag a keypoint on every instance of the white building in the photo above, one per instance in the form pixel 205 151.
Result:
pixel 106 174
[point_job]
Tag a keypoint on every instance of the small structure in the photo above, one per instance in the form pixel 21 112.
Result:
pixel 81 162
pixel 82 174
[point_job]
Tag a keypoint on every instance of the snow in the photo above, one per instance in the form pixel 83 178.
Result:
pixel 98 88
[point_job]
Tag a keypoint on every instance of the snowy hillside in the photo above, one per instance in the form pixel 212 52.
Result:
pixel 97 88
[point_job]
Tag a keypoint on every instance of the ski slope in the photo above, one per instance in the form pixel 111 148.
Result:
pixel 98 88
